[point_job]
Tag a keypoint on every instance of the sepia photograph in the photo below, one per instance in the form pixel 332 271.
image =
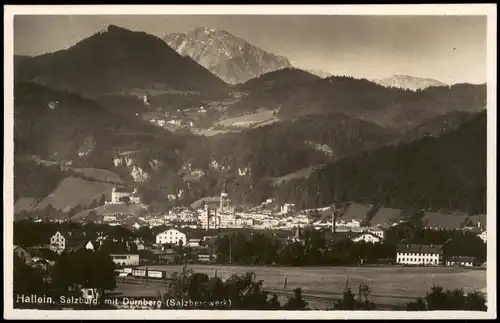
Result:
pixel 220 161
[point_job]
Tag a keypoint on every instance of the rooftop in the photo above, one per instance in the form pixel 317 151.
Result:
pixel 356 212
pixel 386 216
pixel 210 200
pixel 419 248
pixel 462 258
pixel 122 189
pixel 446 221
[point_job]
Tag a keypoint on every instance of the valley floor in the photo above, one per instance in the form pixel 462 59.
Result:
pixel 390 285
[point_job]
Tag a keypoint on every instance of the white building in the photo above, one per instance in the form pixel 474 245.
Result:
pixel 460 261
pixel 378 232
pixel 120 193
pixel 415 254
pixel 209 218
pixel 63 241
pixel 353 223
pixel 58 242
pixel 125 259
pixel 89 246
pixel 367 237
pixel 172 236
pixel 287 208
pixel 194 243
pixel 482 236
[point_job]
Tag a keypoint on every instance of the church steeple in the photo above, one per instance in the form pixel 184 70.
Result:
pixel 224 198
pixel 297 233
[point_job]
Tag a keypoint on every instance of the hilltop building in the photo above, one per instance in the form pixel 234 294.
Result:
pixel 121 194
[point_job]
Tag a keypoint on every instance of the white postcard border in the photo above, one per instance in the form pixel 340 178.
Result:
pixel 435 9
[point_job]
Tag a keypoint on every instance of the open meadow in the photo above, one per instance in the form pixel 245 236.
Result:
pixel 250 120
pixel 390 285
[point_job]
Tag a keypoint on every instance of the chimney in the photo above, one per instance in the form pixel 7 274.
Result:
pixel 208 217
pixel 334 218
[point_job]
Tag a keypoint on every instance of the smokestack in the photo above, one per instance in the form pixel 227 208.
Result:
pixel 215 219
pixel 208 218
pixel 333 219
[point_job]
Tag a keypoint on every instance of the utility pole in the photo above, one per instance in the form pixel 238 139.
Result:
pixel 230 249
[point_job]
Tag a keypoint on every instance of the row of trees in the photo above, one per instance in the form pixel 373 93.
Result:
pixel 319 248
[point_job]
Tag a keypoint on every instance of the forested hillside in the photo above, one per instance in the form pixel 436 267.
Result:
pixel 448 172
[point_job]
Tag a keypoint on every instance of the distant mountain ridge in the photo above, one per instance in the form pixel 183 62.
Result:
pixel 117 60
pixel 408 82
pixel 296 93
pixel 231 58
pixel 319 73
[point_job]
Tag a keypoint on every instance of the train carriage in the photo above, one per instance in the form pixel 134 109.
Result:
pixel 156 274
pixel 140 273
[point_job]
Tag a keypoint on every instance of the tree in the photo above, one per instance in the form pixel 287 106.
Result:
pixel 27 280
pixel 84 269
pixel 296 302
pixel 417 305
pixel 456 299
pixel 243 291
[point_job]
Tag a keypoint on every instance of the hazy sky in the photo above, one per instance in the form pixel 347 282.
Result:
pixel 448 48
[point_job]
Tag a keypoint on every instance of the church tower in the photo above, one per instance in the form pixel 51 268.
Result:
pixel 224 199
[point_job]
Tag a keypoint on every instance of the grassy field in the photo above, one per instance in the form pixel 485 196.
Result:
pixel 24 204
pixel 390 285
pixel 73 191
pixel 209 133
pixel 250 120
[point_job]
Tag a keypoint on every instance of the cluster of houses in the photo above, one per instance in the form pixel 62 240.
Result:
pixel 191 226
pixel 175 118
pixel 374 220
pixel 363 222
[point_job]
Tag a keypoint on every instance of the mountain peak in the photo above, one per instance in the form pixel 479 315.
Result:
pixel 229 57
pixel 115 60
pixel 408 82
pixel 204 30
pixel 115 28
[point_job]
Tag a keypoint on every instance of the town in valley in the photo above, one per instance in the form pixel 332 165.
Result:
pixel 199 164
